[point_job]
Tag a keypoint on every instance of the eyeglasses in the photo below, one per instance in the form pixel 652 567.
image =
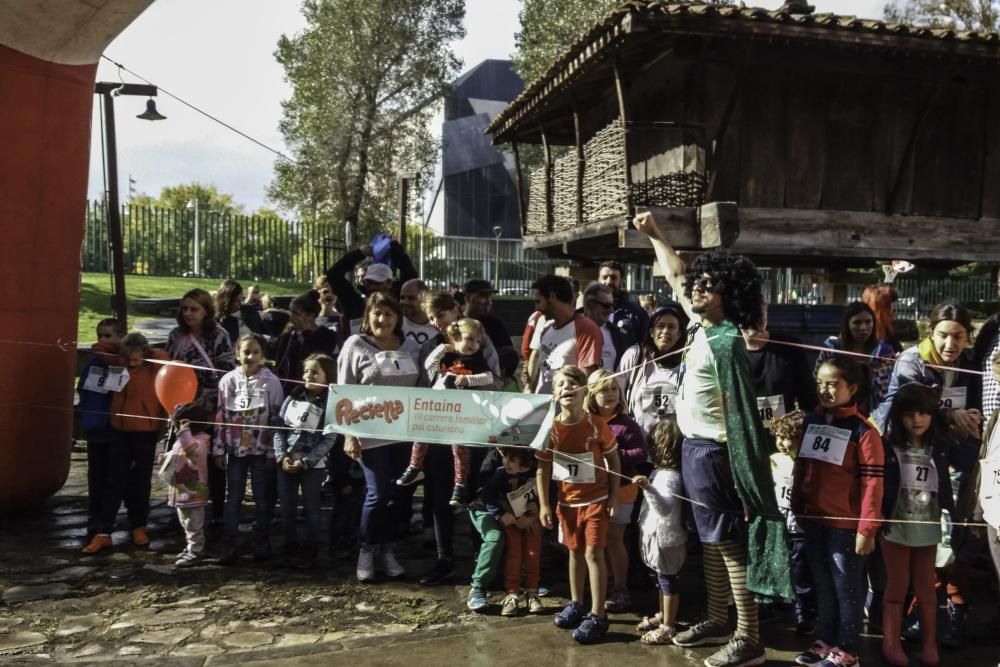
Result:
pixel 603 304
pixel 706 284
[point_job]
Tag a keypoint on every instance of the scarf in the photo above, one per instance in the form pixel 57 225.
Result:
pixel 749 458
pixel 930 355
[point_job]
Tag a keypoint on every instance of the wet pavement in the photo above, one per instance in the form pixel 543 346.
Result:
pixel 132 605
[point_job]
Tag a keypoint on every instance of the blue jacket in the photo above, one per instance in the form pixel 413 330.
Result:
pixel 494 491
pixel 94 408
pixel 311 447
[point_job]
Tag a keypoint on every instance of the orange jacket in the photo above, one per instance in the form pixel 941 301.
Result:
pixel 138 397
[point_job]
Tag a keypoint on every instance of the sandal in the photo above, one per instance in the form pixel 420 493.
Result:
pixel 658 637
pixel 650 622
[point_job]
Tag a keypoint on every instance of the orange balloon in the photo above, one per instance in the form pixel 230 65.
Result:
pixel 176 384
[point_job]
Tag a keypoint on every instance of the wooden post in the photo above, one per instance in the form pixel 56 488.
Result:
pixel 519 189
pixel 579 165
pixel 549 219
pixel 620 91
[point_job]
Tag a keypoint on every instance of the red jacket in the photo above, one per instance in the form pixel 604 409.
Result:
pixel 138 397
pixel 852 488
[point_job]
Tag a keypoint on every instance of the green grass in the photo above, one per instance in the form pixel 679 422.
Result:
pixel 95 295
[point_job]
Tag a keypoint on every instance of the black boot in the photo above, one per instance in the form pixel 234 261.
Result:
pixel 954 635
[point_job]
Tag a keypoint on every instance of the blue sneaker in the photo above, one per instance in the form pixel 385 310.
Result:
pixel 591 630
pixel 570 616
pixel 477 599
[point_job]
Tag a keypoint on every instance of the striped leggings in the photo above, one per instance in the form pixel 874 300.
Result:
pixel 726 570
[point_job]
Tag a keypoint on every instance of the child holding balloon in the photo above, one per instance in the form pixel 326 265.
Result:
pixel 136 420
pixel 188 485
pixel 250 396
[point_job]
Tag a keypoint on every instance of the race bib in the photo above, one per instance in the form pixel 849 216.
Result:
pixel 657 399
pixel 989 485
pixel 522 497
pixel 395 363
pixel 917 477
pixel 574 468
pixel 825 443
pixel 246 400
pixel 304 415
pixel 953 398
pixel 783 492
pixel 770 408
pixel 101 381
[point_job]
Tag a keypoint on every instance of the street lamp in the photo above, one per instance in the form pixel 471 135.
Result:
pixel 498 232
pixel 109 91
pixel 193 205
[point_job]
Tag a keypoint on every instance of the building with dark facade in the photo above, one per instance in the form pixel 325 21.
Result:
pixel 479 191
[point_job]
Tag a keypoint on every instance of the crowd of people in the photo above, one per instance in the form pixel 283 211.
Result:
pixel 821 485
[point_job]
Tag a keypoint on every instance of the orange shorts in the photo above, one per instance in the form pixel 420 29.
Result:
pixel 584 526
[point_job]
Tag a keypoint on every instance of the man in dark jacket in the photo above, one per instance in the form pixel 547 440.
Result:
pixel 377 278
pixel 628 317
pixel 478 303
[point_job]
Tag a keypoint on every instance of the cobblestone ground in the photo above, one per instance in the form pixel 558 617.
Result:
pixel 131 604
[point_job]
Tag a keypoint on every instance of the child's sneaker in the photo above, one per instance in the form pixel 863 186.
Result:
pixel 707 632
pixel 306 557
pixel 139 537
pixel 738 652
pixel 188 559
pixel 570 616
pixel 366 564
pixel 458 496
pixel 533 603
pixel 410 476
pixel 618 601
pixel 839 658
pixel 390 566
pixel 97 543
pixel 592 629
pixel 815 654
pixel 477 599
pixel 510 605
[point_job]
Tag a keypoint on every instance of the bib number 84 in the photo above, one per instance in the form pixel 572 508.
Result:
pixel 821 443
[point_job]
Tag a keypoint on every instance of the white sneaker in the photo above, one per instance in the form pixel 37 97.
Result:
pixel 366 564
pixel 390 565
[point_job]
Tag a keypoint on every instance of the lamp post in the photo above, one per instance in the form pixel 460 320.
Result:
pixel 498 232
pixel 109 91
pixel 405 179
pixel 193 205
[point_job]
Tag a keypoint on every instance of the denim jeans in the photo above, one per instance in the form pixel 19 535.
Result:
pixel 380 466
pixel 311 482
pixel 839 575
pixel 802 580
pixel 262 478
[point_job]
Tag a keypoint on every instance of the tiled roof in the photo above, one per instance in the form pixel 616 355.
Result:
pixel 678 15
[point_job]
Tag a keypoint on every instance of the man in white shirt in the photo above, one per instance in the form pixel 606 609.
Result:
pixel 568 338
pixel 417 328
pixel 598 303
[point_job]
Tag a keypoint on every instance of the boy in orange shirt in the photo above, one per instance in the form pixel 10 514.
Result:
pixel 580 447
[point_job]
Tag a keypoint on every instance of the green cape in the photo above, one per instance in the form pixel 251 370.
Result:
pixel 749 458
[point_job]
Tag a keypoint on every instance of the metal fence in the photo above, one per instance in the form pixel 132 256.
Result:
pixel 508 264
pixel 161 242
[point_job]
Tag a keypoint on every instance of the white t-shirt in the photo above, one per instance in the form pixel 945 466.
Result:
pixel 608 352
pixel 699 401
pixel 578 342
pixel 415 335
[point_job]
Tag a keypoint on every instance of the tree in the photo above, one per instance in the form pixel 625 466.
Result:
pixel 958 14
pixel 364 74
pixel 550 27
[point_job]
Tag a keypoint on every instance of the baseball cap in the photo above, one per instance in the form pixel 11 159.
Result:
pixel 378 273
pixel 477 286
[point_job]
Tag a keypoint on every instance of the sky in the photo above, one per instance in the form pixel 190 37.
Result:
pixel 219 56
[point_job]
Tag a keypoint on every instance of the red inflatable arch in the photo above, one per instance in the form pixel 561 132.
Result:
pixel 48 60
